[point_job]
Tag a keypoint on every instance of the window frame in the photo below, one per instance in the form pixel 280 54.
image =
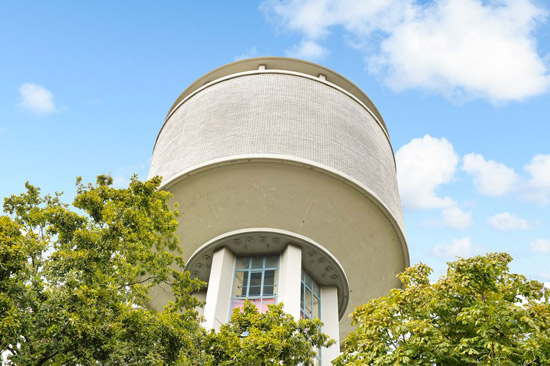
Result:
pixel 304 286
pixel 314 296
pixel 249 271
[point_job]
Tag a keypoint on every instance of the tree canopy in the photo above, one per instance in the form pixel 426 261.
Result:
pixel 272 338
pixel 478 314
pixel 74 283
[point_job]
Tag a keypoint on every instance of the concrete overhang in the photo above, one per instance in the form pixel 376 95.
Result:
pixel 302 198
pixel 317 261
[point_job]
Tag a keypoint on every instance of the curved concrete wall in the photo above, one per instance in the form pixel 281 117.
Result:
pixel 280 114
pixel 307 202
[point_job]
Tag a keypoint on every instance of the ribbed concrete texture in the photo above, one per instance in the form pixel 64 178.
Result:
pixel 279 114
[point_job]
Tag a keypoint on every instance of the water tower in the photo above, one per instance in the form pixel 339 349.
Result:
pixel 286 181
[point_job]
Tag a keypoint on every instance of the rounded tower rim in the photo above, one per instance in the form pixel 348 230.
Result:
pixel 279 63
pixel 396 222
pixel 274 63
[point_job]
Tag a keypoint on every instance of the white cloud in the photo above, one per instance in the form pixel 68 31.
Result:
pixel 537 188
pixel 462 48
pixel 491 178
pixel 313 18
pixel 452 217
pixel 541 246
pixel 458 248
pixel 467 48
pixel 36 98
pixel 455 218
pixel 307 50
pixel 252 52
pixel 505 221
pixel 422 166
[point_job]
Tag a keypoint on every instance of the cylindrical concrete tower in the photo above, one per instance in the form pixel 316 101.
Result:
pixel 286 181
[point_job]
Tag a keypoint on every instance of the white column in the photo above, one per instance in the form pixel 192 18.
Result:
pixel 329 317
pixel 290 277
pixel 218 295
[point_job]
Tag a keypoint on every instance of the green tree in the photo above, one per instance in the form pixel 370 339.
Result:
pixel 272 338
pixel 74 284
pixel 478 314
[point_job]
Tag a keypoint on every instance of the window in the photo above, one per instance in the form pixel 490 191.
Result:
pixel 310 299
pixel 255 280
pixel 310 304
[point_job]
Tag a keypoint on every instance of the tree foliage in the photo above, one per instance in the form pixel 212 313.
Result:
pixel 478 314
pixel 272 338
pixel 74 284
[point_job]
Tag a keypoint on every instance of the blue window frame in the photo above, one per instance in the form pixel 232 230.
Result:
pixel 310 299
pixel 256 280
pixel 310 303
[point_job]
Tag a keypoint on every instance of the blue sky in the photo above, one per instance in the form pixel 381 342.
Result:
pixel 463 85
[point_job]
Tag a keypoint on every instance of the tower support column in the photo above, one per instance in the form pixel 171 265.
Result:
pixel 218 295
pixel 329 317
pixel 290 280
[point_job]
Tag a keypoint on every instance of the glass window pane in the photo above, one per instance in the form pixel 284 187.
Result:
pixel 255 291
pixel 239 287
pixel 310 300
pixel 243 262
pixel 255 278
pixel 269 277
pixel 316 289
pixel 268 291
pixel 271 261
pixel 308 303
pixel 309 281
pixel 316 309
pixel 257 262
